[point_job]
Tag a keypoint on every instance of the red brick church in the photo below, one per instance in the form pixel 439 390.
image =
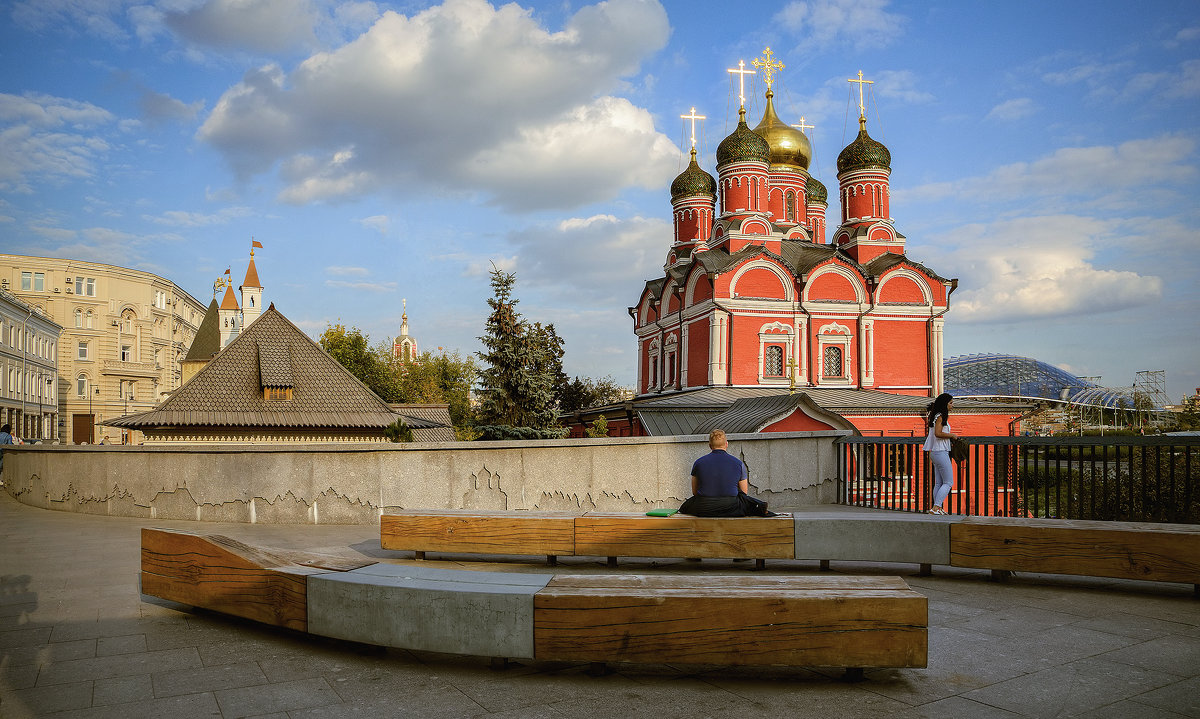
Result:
pixel 762 323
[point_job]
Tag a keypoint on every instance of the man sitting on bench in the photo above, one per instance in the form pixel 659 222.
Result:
pixel 720 483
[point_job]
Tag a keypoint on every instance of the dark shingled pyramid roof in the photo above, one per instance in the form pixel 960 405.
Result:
pixel 207 342
pixel 271 352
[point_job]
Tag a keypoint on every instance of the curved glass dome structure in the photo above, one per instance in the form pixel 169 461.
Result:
pixel 1001 375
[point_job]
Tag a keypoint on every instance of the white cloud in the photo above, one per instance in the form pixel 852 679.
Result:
pixel 1011 110
pixel 602 259
pixel 1075 171
pixel 181 218
pixel 462 95
pixel 263 26
pixel 379 223
pixel 347 271
pixel 367 286
pixel 1038 267
pixel 158 107
pixel 95 17
pixel 899 85
pixel 861 23
pixel 43 137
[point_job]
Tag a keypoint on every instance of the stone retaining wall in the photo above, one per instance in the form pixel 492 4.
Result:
pixel 340 484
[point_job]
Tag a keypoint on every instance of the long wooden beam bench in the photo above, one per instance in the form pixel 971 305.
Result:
pixel 1118 550
pixel 826 621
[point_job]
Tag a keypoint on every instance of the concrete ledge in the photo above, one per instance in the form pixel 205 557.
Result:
pixel 911 538
pixel 442 610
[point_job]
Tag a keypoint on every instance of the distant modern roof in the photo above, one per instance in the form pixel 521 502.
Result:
pixel 1005 375
pixel 228 391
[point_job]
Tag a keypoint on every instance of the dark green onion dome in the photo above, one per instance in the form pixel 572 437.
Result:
pixel 789 146
pixel 693 182
pixel 816 191
pixel 863 153
pixel 744 145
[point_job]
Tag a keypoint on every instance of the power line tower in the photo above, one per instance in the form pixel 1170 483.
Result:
pixel 1152 384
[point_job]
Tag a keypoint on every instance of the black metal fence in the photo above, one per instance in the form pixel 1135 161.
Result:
pixel 1140 479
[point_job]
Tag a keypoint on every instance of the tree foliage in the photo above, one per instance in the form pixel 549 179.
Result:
pixel 586 392
pixel 522 363
pixel 444 378
pixel 352 351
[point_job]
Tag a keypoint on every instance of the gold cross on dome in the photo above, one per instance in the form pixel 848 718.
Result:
pixel 693 117
pixel 802 126
pixel 767 65
pixel 741 72
pixel 862 109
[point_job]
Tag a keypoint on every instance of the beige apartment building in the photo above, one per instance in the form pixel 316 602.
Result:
pixel 124 334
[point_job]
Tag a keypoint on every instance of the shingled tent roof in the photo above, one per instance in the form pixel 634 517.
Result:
pixel 753 414
pixel 271 352
pixel 207 342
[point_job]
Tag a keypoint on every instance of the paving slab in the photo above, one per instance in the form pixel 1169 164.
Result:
pixel 78 641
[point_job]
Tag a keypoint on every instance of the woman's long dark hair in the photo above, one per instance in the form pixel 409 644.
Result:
pixel 938 407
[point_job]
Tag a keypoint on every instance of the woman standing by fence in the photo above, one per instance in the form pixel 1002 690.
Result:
pixel 937 444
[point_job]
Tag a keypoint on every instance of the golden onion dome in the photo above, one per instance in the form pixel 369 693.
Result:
pixel 789 146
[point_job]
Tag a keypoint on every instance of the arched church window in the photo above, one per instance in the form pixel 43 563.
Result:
pixel 78 318
pixel 791 206
pixel 833 362
pixel 773 361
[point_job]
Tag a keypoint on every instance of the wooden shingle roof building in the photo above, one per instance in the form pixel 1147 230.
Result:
pixel 274 384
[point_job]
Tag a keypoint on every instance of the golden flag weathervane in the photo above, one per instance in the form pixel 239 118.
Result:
pixel 767 65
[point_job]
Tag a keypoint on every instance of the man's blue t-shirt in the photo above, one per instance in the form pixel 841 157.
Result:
pixel 718 473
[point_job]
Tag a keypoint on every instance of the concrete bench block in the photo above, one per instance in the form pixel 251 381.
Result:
pixel 911 538
pixel 443 610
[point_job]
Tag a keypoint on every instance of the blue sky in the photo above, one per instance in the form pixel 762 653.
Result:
pixel 1045 154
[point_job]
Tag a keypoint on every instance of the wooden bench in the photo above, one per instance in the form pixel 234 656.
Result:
pixel 1120 550
pixel 595 534
pixel 831 621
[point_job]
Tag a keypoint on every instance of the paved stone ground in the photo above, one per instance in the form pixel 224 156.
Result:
pixel 78 640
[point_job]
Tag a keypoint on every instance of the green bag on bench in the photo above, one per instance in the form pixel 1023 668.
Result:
pixel 662 512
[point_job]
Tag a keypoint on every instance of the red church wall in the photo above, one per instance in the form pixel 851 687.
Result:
pixel 797 422
pixel 673 303
pixel 701 291
pixel 697 353
pixel 967 425
pixel 900 289
pixel 831 286
pixel 760 282
pixel 901 354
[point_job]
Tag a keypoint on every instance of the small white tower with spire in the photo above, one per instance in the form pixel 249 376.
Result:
pixel 251 289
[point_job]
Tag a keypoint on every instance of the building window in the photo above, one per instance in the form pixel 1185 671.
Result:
pixel 126 353
pixel 653 372
pixel 128 388
pixel 773 361
pixel 277 393
pixel 83 350
pixel 79 318
pixel 87 320
pixel 791 206
pixel 90 287
pixel 833 361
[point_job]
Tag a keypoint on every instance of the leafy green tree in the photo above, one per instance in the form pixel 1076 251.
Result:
pixel 440 378
pixel 519 364
pixel 351 350
pixel 599 428
pixel 585 392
